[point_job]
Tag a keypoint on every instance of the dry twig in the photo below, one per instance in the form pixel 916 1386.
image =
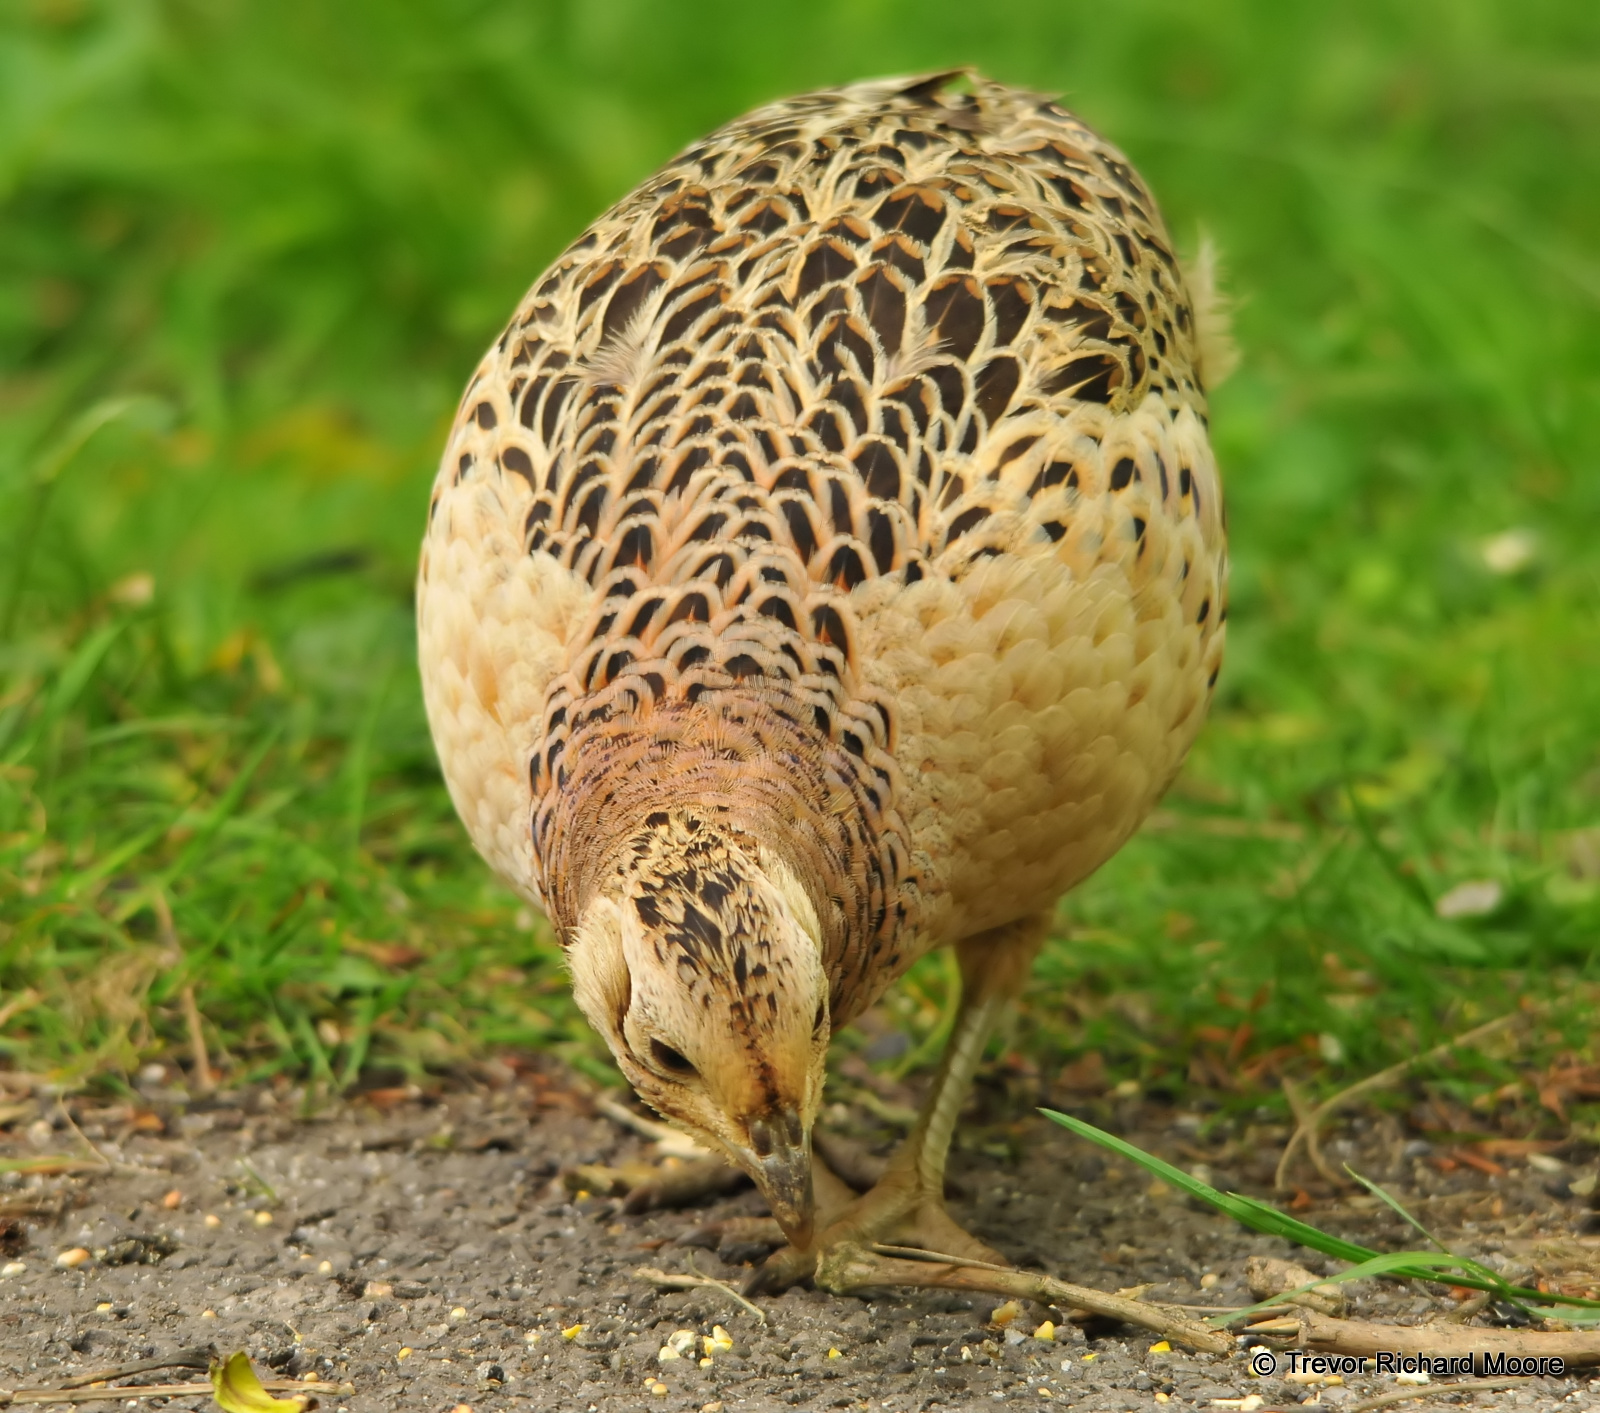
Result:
pixel 668 1281
pixel 1578 1348
pixel 205 1081
pixel 668 1140
pixel 1405 1395
pixel 1307 1122
pixel 11 1397
pixel 848 1268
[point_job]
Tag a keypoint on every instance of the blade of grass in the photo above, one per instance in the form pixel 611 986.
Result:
pixel 1261 1217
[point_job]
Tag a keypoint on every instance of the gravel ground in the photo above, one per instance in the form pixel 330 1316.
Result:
pixel 425 1250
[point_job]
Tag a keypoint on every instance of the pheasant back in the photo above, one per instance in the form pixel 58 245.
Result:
pixel 847 483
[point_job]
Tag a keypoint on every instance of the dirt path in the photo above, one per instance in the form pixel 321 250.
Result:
pixel 427 1253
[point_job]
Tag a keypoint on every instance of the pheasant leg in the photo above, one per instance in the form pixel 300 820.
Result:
pixel 906 1206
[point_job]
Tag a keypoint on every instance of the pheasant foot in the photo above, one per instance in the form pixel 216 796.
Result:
pixel 906 1206
pixel 896 1212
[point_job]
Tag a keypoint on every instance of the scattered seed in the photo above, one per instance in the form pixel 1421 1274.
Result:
pixel 72 1258
pixel 681 1341
pixel 406 1352
pixel 658 1389
pixel 1090 1358
pixel 1003 1315
pixel 572 1332
pixel 173 1200
pixel 462 1408
pixel 208 1314
pixel 533 1336
pixel 1161 1347
pixel 212 1220
pixel 707 1362
pixel 12 1268
pixel 263 1219
pixel 834 1354
pixel 715 1406
pixel 378 1290
pixel 1208 1280
pixel 1046 1331
pixel 667 1352
pixel 458 1315
pixel 325 1268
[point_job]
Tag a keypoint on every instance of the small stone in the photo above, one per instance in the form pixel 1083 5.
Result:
pixel 72 1258
pixel 1478 897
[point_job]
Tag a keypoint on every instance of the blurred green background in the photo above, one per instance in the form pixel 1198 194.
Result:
pixel 249 254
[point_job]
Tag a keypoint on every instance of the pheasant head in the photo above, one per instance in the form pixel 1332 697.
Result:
pixel 700 962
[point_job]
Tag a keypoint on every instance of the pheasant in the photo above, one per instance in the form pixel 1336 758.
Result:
pixel 827 565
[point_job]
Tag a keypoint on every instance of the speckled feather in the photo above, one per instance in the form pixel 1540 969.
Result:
pixel 846 489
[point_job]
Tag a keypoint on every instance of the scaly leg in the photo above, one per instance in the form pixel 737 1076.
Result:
pixel 906 1207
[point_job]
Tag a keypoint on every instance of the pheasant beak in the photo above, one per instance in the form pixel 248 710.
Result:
pixel 779 1161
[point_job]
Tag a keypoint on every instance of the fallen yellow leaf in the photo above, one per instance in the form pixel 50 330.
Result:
pixel 237 1389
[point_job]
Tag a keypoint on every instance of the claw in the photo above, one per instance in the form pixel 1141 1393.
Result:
pixel 779 1271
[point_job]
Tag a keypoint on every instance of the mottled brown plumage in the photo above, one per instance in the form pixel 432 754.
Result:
pixel 827 564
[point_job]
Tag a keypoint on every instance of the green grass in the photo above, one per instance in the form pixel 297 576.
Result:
pixel 248 255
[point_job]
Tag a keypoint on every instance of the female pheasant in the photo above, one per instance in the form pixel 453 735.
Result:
pixel 827 565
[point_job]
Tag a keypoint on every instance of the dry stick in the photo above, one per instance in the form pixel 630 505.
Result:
pixel 1307 1126
pixel 668 1139
pixel 1577 1348
pixel 847 1268
pixel 9 1397
pixel 1405 1395
pixel 668 1281
pixel 1305 1119
pixel 205 1080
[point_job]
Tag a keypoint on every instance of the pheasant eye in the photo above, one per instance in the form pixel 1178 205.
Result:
pixel 669 1059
